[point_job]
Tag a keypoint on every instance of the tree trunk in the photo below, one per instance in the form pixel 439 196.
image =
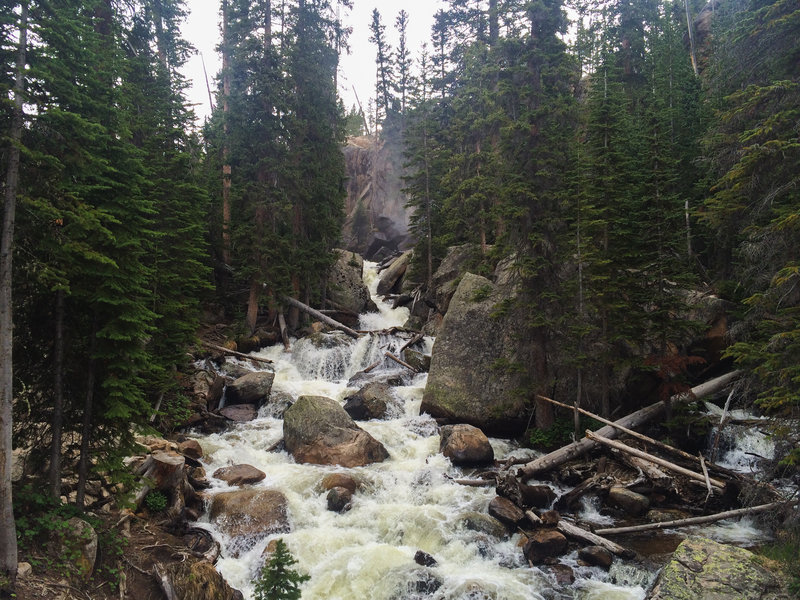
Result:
pixel 86 429
pixel 54 476
pixel 297 305
pixel 8 532
pixel 226 167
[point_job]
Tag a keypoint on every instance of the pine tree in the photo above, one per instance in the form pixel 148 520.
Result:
pixel 384 68
pixel 277 580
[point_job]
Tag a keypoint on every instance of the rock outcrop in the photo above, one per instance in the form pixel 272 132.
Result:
pixel 195 580
pixel 390 278
pixel 369 402
pixel 474 376
pixel 317 430
pixel 702 569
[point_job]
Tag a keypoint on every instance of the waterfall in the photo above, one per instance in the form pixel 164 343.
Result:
pixel 405 504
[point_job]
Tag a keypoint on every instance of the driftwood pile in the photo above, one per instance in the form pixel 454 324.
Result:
pixel 631 476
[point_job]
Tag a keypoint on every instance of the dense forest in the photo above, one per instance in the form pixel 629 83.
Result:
pixel 624 153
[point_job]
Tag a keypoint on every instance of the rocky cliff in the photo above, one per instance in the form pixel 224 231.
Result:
pixel 377 220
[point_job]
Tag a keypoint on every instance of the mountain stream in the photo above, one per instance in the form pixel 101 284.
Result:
pixel 405 504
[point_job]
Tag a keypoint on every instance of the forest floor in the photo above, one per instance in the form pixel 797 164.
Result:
pixel 130 549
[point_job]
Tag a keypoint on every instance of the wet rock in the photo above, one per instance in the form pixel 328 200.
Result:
pixel 318 430
pixel 421 362
pixel 632 503
pixel 536 496
pixel 468 380
pixel 702 569
pixel 278 404
pixel 339 499
pixel 455 264
pixel 550 518
pixel 191 448
pixel 343 480
pixel 424 559
pixel 563 573
pixel 506 511
pixel 483 523
pixel 239 413
pixel 253 388
pixel 369 402
pixel 196 581
pixel 465 445
pixel 544 544
pixel 346 288
pixel 390 278
pixel 248 516
pixel 215 392
pixel 362 379
pixel 596 556
pixel 240 474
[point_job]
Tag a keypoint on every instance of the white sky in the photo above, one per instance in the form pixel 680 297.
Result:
pixel 357 69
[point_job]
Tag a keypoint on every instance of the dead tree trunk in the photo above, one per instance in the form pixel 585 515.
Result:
pixel 562 455
pixel 318 315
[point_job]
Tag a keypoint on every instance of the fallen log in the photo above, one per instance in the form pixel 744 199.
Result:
pixel 318 315
pixel 728 514
pixel 630 432
pixel 400 362
pixel 235 353
pixel 562 455
pixel 411 342
pixel 654 459
pixel 573 531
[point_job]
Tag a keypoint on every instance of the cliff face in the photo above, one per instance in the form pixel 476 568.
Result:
pixel 377 220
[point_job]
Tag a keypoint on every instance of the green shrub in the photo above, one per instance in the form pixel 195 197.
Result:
pixel 277 580
pixel 155 501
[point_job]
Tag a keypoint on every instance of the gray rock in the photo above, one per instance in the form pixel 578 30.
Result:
pixel 198 580
pixel 391 276
pixel 482 523
pixel 418 360
pixel 346 287
pixel 79 541
pixel 632 503
pixel 339 499
pixel 702 569
pixel 457 261
pixel 253 388
pixel 369 402
pixel 536 496
pixel 465 445
pixel 317 430
pixel 474 376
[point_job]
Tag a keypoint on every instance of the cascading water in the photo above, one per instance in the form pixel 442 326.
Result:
pixel 405 504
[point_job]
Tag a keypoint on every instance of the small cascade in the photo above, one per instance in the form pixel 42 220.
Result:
pixel 740 447
pixel 405 504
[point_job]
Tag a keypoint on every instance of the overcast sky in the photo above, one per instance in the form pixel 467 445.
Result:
pixel 357 69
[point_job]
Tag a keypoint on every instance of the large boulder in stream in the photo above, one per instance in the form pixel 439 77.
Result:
pixel 475 376
pixel 346 289
pixel 247 516
pixel 253 388
pixel 370 402
pixel 318 430
pixel 702 569
pixel 465 445
pixel 391 276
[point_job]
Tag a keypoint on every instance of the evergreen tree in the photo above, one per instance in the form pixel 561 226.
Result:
pixel 277 580
pixel 384 72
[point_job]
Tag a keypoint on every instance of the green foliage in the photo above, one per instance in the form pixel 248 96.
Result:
pixel 482 293
pixel 277 580
pixel 560 434
pixel 785 553
pixel 155 501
